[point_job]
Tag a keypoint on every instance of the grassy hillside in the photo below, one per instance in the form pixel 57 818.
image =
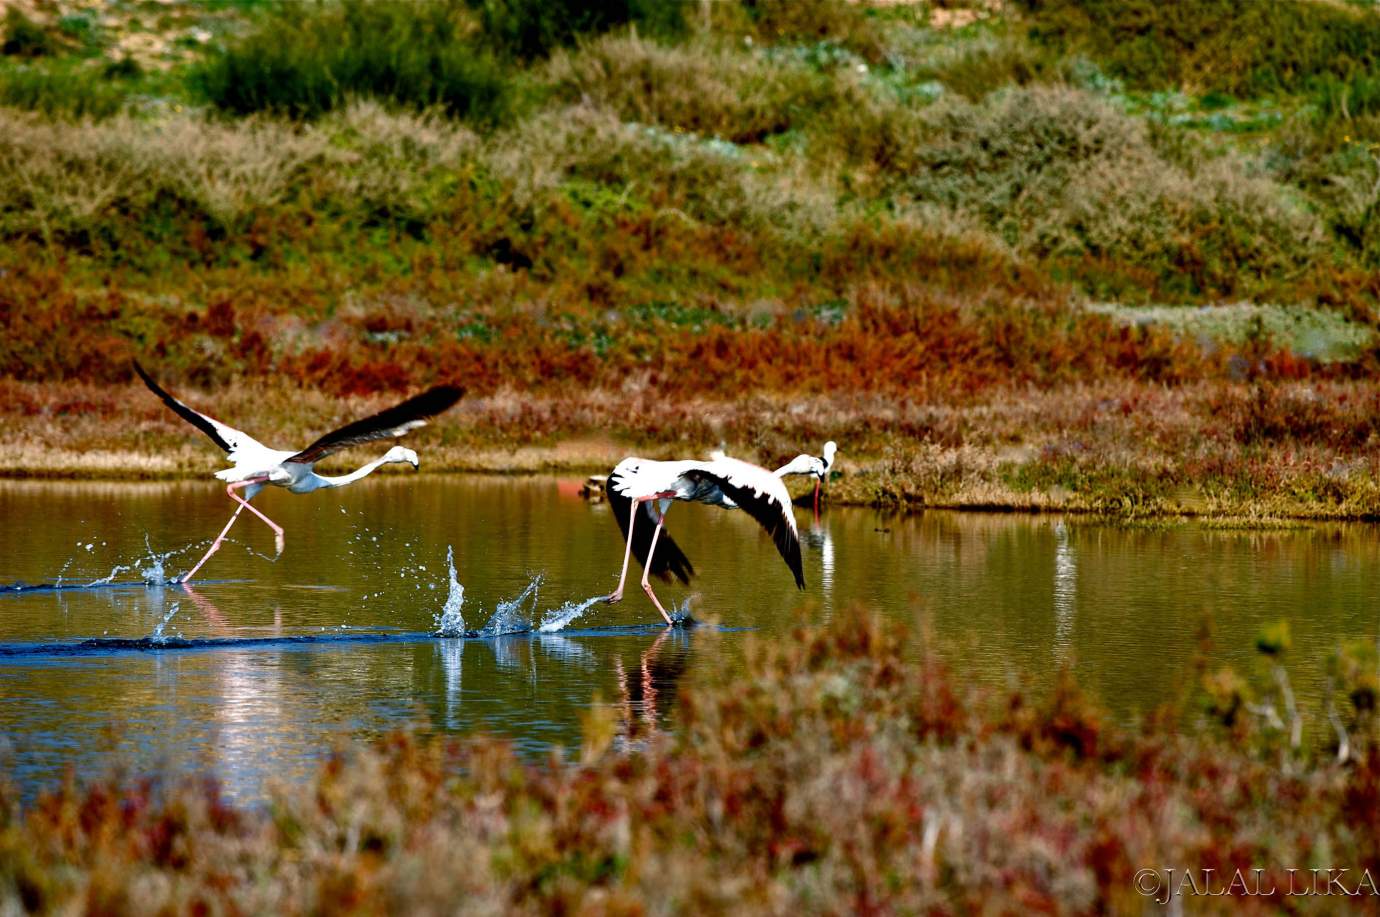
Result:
pixel 885 212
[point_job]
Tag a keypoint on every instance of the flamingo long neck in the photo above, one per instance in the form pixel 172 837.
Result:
pixel 342 480
pixel 801 464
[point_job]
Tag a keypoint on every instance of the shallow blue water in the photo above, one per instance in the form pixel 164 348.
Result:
pixel 254 671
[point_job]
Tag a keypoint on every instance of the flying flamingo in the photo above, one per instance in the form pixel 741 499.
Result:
pixel 650 486
pixel 254 465
pixel 815 465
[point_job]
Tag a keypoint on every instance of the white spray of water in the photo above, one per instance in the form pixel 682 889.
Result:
pixel 558 618
pixel 153 572
pixel 450 622
pixel 150 567
pixel 158 635
pixel 63 570
pixel 508 617
pixel 110 577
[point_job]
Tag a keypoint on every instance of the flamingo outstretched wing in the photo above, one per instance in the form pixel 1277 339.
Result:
pixel 386 424
pixel 762 495
pixel 226 437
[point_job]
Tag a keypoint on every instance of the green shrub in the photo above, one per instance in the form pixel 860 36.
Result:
pixel 1345 98
pixel 135 186
pixel 531 29
pixel 1242 47
pixel 689 178
pixel 1065 176
pixel 989 62
pixel 26 38
pixel 1339 169
pixel 306 61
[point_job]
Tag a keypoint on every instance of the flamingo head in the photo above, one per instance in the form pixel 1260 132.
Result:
pixel 830 448
pixel 402 454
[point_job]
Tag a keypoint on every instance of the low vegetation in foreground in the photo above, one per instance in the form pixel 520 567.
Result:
pixel 846 771
pixel 1037 253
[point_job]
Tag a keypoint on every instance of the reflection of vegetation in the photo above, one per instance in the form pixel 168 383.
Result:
pixel 843 769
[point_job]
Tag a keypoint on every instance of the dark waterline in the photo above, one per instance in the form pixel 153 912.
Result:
pixel 256 671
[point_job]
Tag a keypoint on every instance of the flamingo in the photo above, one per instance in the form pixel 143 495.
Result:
pixel 816 465
pixel 254 465
pixel 650 486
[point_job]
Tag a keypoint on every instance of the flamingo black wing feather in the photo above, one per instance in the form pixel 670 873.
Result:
pixel 670 560
pixel 772 515
pixel 388 423
pixel 205 424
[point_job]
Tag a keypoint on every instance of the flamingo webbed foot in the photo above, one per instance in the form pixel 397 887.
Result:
pixel 613 598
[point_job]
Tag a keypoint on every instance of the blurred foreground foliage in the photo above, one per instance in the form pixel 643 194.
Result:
pixel 845 768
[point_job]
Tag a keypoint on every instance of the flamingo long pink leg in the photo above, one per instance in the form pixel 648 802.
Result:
pixel 277 529
pixel 215 545
pixel 647 569
pixel 816 499
pixel 243 504
pixel 617 594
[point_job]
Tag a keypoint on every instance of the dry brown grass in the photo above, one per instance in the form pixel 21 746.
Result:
pixel 1301 449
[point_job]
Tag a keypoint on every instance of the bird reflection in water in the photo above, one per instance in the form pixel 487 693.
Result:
pixel 452 655
pixel 1065 590
pixel 209 612
pixel 819 537
pixel 217 621
pixel 649 690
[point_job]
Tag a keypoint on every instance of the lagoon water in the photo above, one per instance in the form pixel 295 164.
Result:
pixel 257 669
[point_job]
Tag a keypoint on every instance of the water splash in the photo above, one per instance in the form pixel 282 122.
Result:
pixel 680 614
pixel 450 622
pixel 152 571
pixel 150 567
pixel 508 618
pixel 110 577
pixel 158 635
pixel 558 618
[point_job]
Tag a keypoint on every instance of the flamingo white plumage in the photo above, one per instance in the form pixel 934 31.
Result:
pixel 815 465
pixel 642 487
pixel 255 466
